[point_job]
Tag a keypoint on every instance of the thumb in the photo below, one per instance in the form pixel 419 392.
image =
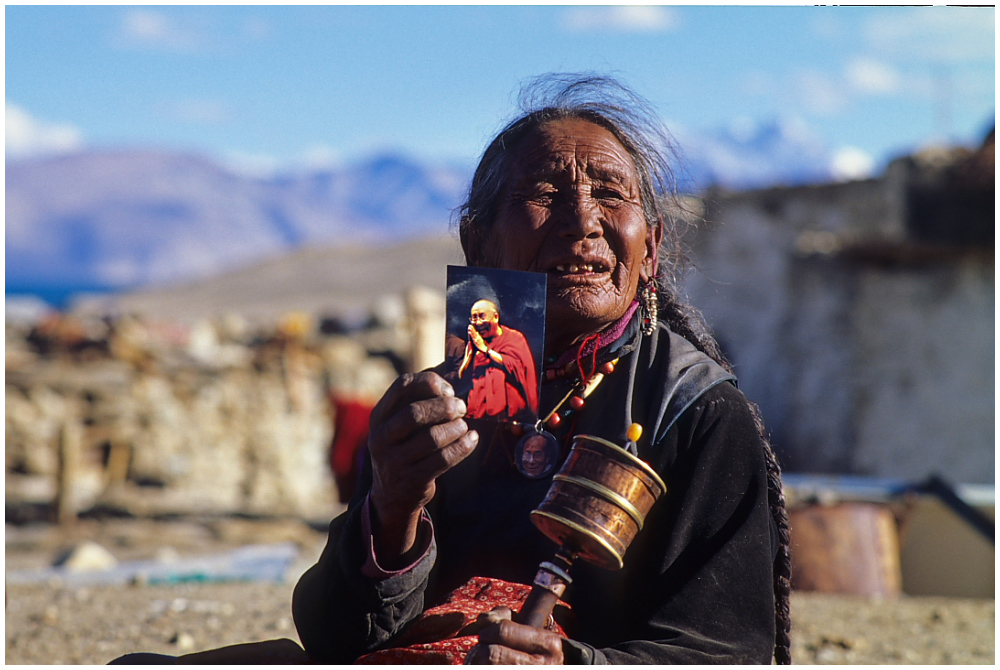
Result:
pixel 498 614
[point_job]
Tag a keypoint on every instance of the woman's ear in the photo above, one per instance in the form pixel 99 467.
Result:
pixel 654 235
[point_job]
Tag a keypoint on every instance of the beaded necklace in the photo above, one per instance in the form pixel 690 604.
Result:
pixel 538 452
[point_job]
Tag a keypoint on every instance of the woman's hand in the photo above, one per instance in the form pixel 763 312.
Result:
pixel 503 642
pixel 416 434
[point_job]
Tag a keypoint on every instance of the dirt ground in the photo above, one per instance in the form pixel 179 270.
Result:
pixel 55 623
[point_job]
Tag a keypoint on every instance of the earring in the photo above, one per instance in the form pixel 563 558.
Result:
pixel 650 308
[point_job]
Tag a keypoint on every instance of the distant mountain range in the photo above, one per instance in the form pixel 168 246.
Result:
pixel 773 153
pixel 110 220
pixel 114 219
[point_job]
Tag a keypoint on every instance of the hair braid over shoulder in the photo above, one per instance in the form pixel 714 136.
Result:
pixel 687 322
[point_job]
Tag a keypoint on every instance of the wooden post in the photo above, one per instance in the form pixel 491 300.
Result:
pixel 70 441
pixel 119 457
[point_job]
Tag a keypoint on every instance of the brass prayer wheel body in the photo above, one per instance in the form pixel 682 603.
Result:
pixel 598 501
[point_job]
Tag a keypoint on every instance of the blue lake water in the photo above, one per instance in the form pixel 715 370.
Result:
pixel 57 295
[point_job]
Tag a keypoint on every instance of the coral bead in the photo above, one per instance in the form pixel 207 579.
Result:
pixel 576 402
pixel 608 368
pixel 553 421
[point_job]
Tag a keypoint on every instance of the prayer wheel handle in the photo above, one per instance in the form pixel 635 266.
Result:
pixel 616 489
pixel 550 583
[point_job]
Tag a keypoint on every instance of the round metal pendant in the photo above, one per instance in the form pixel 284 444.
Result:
pixel 537 454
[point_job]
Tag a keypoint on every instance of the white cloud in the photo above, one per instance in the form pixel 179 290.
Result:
pixel 27 136
pixel 819 93
pixel 152 29
pixel 935 34
pixel 638 18
pixel 196 110
pixel 869 76
pixel 186 31
pixel 851 163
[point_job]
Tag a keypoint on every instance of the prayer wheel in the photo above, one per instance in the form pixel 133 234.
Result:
pixel 598 501
pixel 595 507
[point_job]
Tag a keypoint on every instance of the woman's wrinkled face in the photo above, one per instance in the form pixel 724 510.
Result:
pixel 571 208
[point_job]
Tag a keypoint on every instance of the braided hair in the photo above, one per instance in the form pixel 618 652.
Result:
pixel 608 103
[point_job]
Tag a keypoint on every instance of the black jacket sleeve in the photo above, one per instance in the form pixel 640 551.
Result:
pixel 340 613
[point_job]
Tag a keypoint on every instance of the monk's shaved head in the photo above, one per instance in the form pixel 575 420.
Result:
pixel 485 306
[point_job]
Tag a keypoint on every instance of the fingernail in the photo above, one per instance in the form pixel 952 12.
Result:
pixel 474 435
pixel 448 391
pixel 461 407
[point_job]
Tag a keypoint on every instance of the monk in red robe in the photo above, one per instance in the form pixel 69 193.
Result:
pixel 504 384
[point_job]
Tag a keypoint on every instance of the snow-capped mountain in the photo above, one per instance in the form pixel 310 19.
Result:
pixel 754 155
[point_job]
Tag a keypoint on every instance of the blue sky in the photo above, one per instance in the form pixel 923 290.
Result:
pixel 265 88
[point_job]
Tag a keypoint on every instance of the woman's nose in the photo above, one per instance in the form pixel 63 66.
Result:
pixel 581 217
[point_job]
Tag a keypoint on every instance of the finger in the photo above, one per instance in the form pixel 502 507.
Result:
pixel 437 461
pixel 410 388
pixel 532 641
pixel 410 466
pixel 422 414
pixel 496 615
pixel 495 654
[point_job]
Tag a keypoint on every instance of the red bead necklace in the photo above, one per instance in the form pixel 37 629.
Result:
pixel 538 452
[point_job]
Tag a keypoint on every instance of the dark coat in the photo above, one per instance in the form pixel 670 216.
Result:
pixel 697 581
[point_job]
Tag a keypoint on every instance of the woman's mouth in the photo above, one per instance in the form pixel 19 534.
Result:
pixel 579 269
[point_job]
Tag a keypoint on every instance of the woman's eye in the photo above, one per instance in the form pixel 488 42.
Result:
pixel 543 195
pixel 608 194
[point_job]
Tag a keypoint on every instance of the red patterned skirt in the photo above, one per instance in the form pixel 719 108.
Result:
pixel 443 635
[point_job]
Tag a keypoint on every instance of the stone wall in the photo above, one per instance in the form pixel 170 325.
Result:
pixel 143 417
pixel 868 350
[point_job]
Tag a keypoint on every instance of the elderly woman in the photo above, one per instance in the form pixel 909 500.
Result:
pixel 573 189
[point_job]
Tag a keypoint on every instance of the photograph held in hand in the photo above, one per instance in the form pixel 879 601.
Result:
pixel 496 321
